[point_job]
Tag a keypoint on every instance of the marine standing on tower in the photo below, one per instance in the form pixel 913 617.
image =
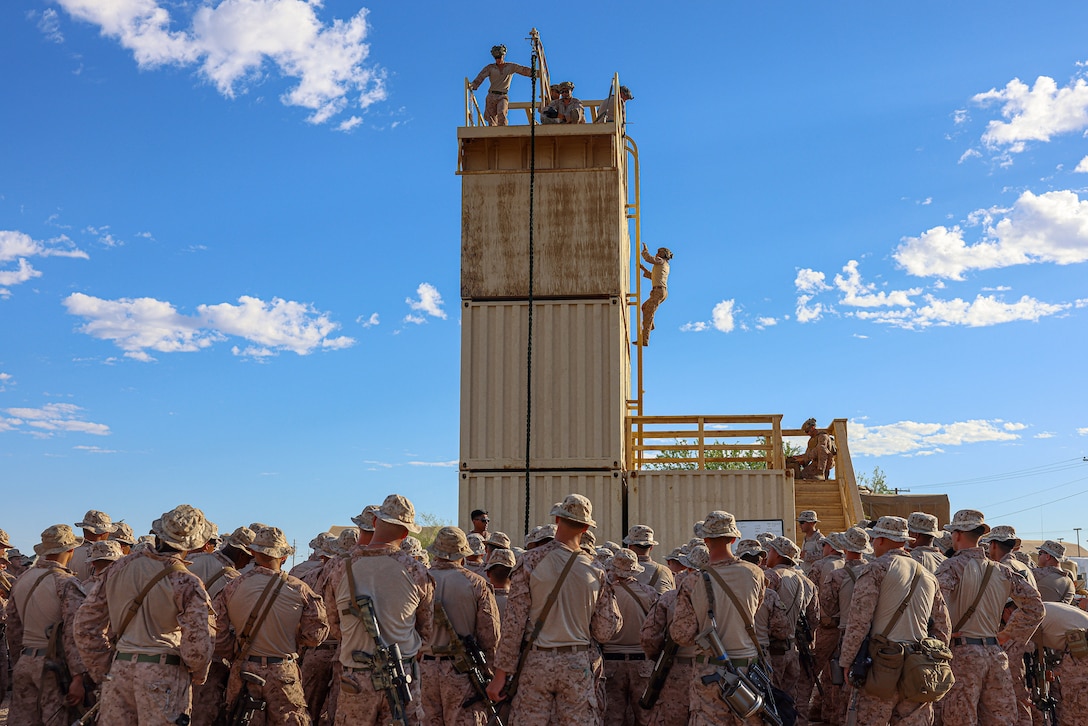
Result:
pixel 499 74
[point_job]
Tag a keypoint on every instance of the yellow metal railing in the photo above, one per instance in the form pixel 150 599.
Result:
pixel 701 442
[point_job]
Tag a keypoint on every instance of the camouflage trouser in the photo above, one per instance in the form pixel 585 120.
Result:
pixel 209 698
pixel 444 690
pixel 35 695
pixel 359 704
pixel 649 308
pixel 707 706
pixel 496 107
pixel 557 688
pixel 148 694
pixel 983 694
pixel 1073 675
pixel 282 693
pixel 625 682
pixel 791 678
pixel 5 681
pixel 873 711
pixel 672 704
pixel 315 666
pixel 827 640
pixel 1023 698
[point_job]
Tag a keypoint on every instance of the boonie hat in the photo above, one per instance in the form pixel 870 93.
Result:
pixel 96 521
pixel 272 542
pixel 498 539
pixel 501 557
pixel 717 524
pixel 810 423
pixel 413 547
pixel 922 523
pixel 107 549
pixel 576 508
pixel 1054 549
pixel 241 539
pixel 498 51
pixel 785 547
pixel 764 537
pixel 588 539
pixel 540 533
pixel 124 534
pixel 365 519
pixel 348 539
pixel 675 555
pixel 807 516
pixel 833 541
pixel 664 252
pixel 56 539
pixel 893 528
pixel 625 563
pixel 696 558
pixel 318 543
pixel 641 535
pixel 476 544
pixel 183 528
pixel 399 511
pixel 450 543
pixel 965 520
pixel 1001 533
pixel 749 547
pixel 855 539
pixel 5 543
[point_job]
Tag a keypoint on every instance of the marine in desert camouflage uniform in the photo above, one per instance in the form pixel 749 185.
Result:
pixel 499 75
pixel 125 537
pixel 923 530
pixel 500 563
pixel 818 458
pixel 640 539
pixel 983 693
pixel 7 580
pixel 470 609
pixel 167 646
pixel 316 662
pixel 291 615
pixel 826 630
pixel 626 668
pixel 317 557
pixel 1055 584
pixel 798 595
pixel 44 598
pixel 835 597
pixel 1059 621
pixel 880 591
pixel 811 549
pixel 559 678
pixel 403 594
pixel 96 526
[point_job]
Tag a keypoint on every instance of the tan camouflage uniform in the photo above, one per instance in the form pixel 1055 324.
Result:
pixel 175 624
pixel 209 696
pixel 296 617
pixel 570 110
pixel 560 686
pixel 316 662
pixel 470 607
pixel 497 105
pixel 1072 673
pixel 983 693
pixel 928 556
pixel 1055 584
pixel 798 594
pixel 877 595
pixel 826 630
pixel 748 584
pixel 811 550
pixel 36 696
pixel 403 595
pixel 835 597
pixel 626 668
pixel 655 575
pixel 817 459
pixel 671 708
pixel 659 279
pixel 1015 651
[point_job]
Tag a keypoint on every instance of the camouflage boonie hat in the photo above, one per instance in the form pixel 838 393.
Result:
pixel 183 528
pixel 399 511
pixel 476 544
pixel 810 423
pixel 696 558
pixel 241 539
pixel 450 543
pixel 124 534
pixel 5 542
pixel 832 541
pixel 413 547
pixel 764 537
pixel 625 563
pixel 1054 549
pixel 566 86
pixel 749 547
pixel 365 519
pixel 96 521
pixel 501 558
pixel 640 535
pixel 675 555
pixel 500 540
pixel 855 539
pixel 258 526
pixel 807 516
pixel 498 51
pixel 922 523
pixel 944 542
pixel 785 547
pixel 271 541
pixel 893 528
pixel 588 539
pixel 317 544
pixel 1001 533
pixel 540 533
pixel 965 520
pixel 107 549
pixel 717 524
pixel 576 508
pixel 347 540
pixel 664 252
pixel 56 539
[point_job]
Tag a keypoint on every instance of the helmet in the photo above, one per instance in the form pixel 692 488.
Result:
pixel 808 424
pixel 625 93
pixel 664 252
pixel 566 86
pixel 498 51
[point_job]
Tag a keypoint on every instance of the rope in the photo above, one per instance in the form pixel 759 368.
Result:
pixel 529 347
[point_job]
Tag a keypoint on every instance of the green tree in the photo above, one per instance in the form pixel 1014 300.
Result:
pixel 877 482
pixel 674 458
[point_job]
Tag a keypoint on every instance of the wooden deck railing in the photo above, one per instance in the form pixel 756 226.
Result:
pixel 700 442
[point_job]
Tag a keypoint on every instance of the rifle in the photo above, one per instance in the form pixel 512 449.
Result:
pixel 804 650
pixel 387 665
pixel 1037 678
pixel 665 660
pixel 738 690
pixel 91 717
pixel 468 659
pixel 246 706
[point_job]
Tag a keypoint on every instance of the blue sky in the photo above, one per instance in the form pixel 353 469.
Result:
pixel 229 242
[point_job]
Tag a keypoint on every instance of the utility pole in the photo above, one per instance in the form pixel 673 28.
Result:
pixel 1077 530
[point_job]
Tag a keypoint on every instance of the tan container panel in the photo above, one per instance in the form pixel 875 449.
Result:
pixel 581 375
pixel 581 243
pixel 502 495
pixel 671 501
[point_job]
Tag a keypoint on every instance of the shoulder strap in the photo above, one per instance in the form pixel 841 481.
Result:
pixel 134 606
pixel 749 625
pixel 636 598
pixel 552 597
pixel 655 577
pixel 30 592
pixel 906 600
pixel 851 574
pixel 215 578
pixel 255 621
pixel 978 598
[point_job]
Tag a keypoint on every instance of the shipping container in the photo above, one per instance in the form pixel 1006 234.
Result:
pixel 581 379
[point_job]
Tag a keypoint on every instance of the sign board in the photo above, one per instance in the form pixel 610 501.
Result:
pixel 749 528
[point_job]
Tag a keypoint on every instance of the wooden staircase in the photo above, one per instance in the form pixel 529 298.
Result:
pixel 836 501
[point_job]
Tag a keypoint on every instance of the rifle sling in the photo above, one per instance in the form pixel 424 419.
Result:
pixel 978 598
pixel 749 624
pixel 30 593
pixel 906 600
pixel 654 577
pixel 636 598
pixel 255 621
pixel 215 578
pixel 138 601
pixel 552 597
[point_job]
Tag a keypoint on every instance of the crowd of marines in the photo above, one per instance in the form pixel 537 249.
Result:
pixel 186 625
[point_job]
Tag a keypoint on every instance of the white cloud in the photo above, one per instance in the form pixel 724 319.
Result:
pixel 5 379
pixel 1082 166
pixel 414 319
pixel 429 302
pixel 960 116
pixel 142 324
pixel 368 322
pixel 1045 435
pixel 49 420
pixel 807 314
pixel 95 450
pixel 911 437
pixel 969 154
pixel 1050 227
pixel 858 294
pixel 235 41
pixel 442 464
pixel 982 312
pixel 1010 426
pixel 722 315
pixel 1083 431
pixel 104 236
pixel 695 327
pixel 810 281
pixel 1034 114
pixel 49 25
pixel 18 247
pixel 766 322
pixel 349 124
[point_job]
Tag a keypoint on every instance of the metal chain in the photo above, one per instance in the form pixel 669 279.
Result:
pixel 529 347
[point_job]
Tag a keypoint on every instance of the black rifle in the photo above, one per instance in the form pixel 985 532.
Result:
pixel 803 636
pixel 1037 678
pixel 859 669
pixel 662 666
pixel 388 673
pixel 246 706
pixel 468 659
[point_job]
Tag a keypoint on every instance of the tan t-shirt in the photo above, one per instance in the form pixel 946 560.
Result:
pixel 277 635
pixel 569 620
pixel 748 584
pixel 912 625
pixel 1059 619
